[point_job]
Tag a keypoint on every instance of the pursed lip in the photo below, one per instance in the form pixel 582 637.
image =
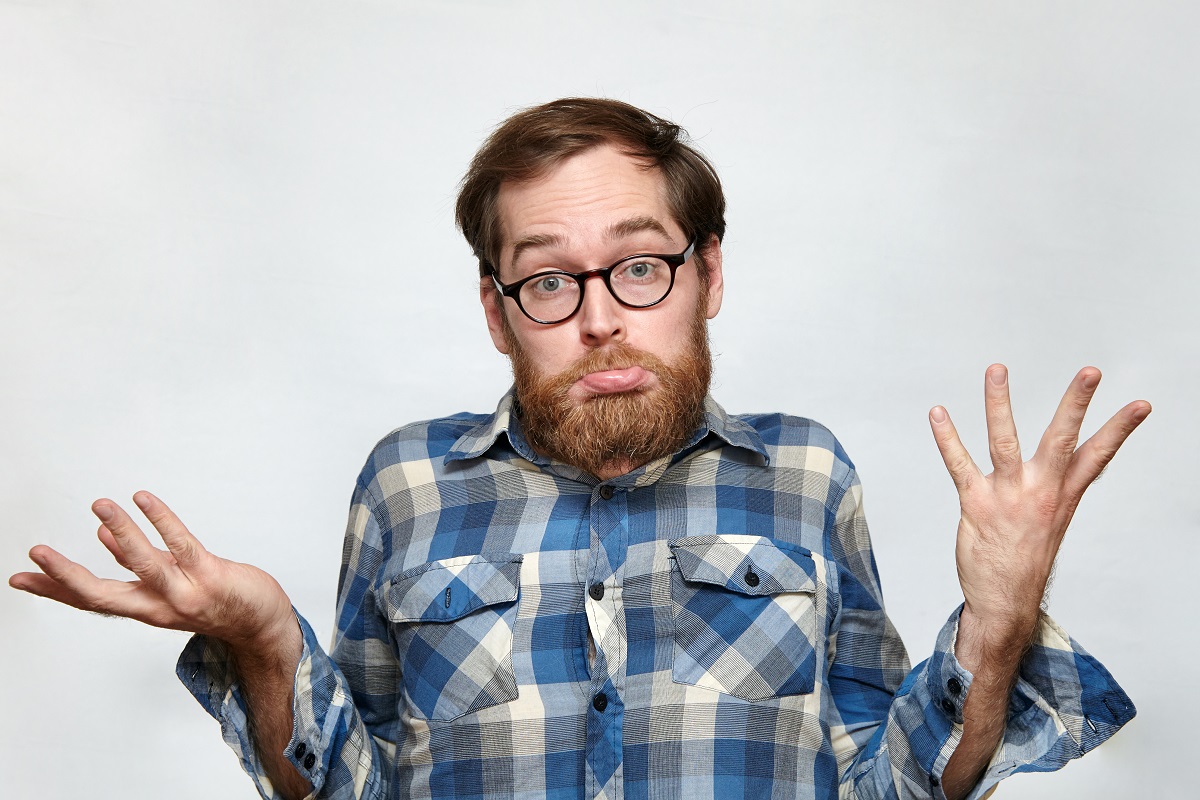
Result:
pixel 614 381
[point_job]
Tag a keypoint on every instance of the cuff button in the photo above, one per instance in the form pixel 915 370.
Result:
pixel 954 686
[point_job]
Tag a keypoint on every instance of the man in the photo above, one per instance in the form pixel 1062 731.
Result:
pixel 609 587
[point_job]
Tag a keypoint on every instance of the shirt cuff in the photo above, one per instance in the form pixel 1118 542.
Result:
pixel 206 669
pixel 1064 704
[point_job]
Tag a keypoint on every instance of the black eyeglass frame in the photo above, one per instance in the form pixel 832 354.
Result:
pixel 672 260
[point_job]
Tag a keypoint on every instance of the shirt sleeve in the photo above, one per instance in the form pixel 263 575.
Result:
pixel 344 732
pixel 896 728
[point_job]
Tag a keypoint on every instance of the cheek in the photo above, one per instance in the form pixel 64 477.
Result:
pixel 547 350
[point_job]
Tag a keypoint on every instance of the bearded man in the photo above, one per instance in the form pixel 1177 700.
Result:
pixel 610 587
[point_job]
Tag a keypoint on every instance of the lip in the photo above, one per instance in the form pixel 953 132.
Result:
pixel 614 381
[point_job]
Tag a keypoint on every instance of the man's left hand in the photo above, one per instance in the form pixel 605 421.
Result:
pixel 1014 519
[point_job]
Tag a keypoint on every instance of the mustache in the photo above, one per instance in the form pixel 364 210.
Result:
pixel 614 356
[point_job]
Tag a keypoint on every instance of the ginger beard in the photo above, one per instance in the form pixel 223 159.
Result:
pixel 623 430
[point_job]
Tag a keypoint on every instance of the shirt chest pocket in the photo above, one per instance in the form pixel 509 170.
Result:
pixel 745 615
pixel 453 623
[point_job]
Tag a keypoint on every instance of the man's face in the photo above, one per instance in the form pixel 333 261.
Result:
pixel 609 370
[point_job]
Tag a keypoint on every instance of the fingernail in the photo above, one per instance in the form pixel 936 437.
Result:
pixel 104 511
pixel 998 376
pixel 1090 380
pixel 142 499
pixel 938 414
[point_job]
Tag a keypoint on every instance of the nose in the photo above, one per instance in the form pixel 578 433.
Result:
pixel 601 317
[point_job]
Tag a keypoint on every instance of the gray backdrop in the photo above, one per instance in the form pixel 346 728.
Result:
pixel 228 266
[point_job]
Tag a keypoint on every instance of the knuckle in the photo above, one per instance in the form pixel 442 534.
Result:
pixel 1005 444
pixel 962 474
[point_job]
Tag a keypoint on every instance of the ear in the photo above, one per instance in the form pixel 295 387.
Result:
pixel 493 310
pixel 711 251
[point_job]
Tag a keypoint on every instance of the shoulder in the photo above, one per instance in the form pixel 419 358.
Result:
pixel 800 443
pixel 424 442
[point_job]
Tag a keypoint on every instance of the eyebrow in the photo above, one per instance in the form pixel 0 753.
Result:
pixel 535 240
pixel 628 227
pixel 618 230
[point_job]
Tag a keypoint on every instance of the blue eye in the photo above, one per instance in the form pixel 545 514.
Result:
pixel 643 271
pixel 549 284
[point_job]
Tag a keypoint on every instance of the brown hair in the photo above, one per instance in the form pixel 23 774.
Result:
pixel 527 144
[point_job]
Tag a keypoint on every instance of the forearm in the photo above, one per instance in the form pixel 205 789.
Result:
pixel 992 654
pixel 266 673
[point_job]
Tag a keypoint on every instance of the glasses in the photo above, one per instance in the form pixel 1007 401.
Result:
pixel 637 281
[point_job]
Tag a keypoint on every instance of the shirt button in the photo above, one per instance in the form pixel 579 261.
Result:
pixel 596 591
pixel 309 760
pixel 751 578
pixel 600 702
pixel 606 492
pixel 300 751
pixel 948 707
pixel 954 686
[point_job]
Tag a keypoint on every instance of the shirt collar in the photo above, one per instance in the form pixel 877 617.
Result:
pixel 480 439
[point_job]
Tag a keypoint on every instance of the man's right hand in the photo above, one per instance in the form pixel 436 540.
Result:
pixel 187 588
pixel 184 587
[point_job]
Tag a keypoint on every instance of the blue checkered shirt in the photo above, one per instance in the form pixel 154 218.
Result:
pixel 709 625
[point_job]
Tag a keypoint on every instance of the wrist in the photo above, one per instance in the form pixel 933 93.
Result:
pixel 993 645
pixel 277 640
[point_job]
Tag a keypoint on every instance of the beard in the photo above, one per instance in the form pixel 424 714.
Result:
pixel 620 431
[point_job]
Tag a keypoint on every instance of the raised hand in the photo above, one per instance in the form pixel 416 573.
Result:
pixel 1014 519
pixel 1009 531
pixel 183 587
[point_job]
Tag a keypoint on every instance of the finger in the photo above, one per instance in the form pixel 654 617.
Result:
pixel 61 579
pixel 140 557
pixel 43 586
pixel 1093 455
pixel 186 548
pixel 1058 443
pixel 69 583
pixel 1003 444
pixel 958 461
pixel 106 538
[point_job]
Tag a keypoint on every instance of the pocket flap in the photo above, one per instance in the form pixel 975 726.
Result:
pixel 751 565
pixel 443 591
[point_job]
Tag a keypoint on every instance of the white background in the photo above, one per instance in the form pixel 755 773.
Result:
pixel 228 266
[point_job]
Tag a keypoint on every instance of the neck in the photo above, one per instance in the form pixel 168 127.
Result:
pixel 615 469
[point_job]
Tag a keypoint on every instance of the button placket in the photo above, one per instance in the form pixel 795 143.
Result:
pixel 606 563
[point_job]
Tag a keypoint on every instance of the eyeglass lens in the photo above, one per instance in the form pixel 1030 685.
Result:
pixel 642 281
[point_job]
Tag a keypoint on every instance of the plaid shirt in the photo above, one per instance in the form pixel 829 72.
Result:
pixel 709 625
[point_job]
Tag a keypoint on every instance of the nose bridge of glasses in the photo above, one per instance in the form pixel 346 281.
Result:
pixel 603 275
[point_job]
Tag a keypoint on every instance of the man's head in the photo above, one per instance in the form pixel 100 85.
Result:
pixel 612 386
pixel 531 142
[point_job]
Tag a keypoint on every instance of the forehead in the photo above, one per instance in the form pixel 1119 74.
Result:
pixel 579 201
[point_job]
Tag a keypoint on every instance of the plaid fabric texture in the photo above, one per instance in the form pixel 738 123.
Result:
pixel 710 625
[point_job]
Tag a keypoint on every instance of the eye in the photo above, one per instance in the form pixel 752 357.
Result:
pixel 642 271
pixel 549 284
pixel 639 269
